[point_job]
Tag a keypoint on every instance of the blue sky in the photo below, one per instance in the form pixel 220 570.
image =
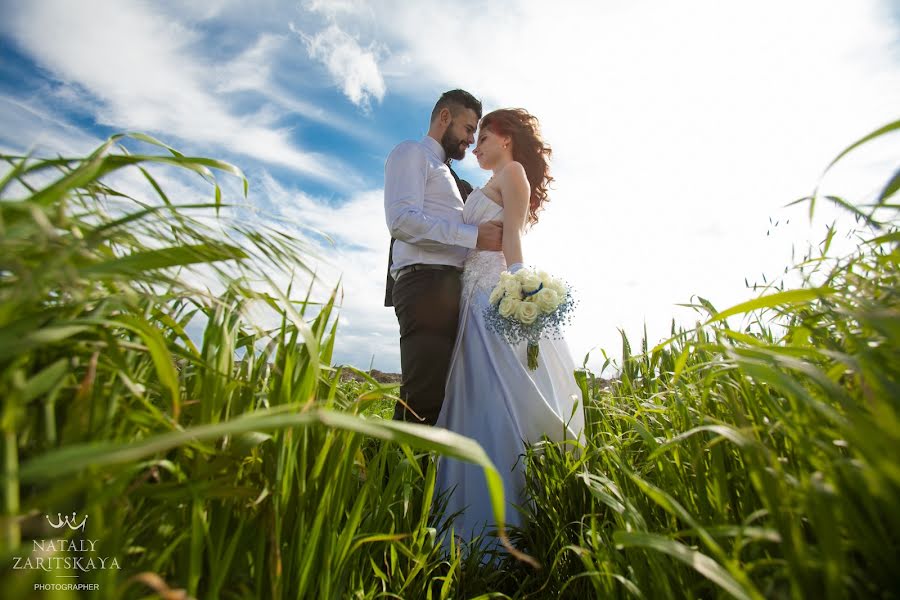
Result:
pixel 679 129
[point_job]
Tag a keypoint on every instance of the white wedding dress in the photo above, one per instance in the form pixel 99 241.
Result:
pixel 492 396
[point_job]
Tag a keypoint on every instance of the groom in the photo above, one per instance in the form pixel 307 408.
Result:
pixel 423 204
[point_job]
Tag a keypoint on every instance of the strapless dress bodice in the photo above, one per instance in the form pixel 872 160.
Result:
pixel 482 268
pixel 479 208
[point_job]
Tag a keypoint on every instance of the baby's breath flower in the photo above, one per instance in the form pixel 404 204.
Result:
pixel 528 306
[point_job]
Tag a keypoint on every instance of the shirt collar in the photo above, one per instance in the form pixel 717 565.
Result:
pixel 435 147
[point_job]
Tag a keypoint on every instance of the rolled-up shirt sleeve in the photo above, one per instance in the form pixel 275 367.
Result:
pixel 405 174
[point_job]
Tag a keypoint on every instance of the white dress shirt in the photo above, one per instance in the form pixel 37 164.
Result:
pixel 423 207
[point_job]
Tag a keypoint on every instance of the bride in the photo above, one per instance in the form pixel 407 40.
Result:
pixel 491 395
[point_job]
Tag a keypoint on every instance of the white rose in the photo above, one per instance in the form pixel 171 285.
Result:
pixel 529 280
pixel 547 300
pixel 527 312
pixel 512 288
pixel 496 294
pixel 545 278
pixel 508 307
pixel 559 287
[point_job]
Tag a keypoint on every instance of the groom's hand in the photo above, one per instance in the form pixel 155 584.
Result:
pixel 490 236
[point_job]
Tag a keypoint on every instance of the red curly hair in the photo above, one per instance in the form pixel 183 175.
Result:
pixel 528 149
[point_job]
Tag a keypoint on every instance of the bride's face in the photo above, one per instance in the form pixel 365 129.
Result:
pixel 490 149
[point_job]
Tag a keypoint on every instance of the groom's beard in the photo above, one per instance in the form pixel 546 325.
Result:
pixel 454 147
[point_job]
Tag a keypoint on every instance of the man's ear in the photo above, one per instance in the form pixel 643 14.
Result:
pixel 445 116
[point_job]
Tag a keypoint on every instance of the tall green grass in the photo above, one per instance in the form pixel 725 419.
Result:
pixel 753 456
pixel 250 478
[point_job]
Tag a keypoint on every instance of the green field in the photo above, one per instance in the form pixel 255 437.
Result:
pixel 756 455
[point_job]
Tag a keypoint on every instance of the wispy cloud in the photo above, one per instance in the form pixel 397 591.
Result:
pixel 251 71
pixel 334 8
pixel 41 128
pixel 352 67
pixel 142 68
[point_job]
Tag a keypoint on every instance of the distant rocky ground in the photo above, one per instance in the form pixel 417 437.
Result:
pixel 379 376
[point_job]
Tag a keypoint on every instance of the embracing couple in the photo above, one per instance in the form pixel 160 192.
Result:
pixel 449 245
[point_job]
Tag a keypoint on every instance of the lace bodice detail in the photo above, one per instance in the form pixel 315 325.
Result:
pixel 482 268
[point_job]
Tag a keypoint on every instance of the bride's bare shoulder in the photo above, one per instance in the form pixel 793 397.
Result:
pixel 514 170
pixel 513 177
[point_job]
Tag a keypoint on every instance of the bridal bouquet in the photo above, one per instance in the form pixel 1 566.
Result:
pixel 528 305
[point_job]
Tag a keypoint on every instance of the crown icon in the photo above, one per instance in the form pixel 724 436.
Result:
pixel 67 520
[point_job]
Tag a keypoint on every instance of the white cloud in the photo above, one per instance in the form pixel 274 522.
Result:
pixel 251 71
pixel 41 129
pixel 333 8
pixel 142 68
pixel 353 68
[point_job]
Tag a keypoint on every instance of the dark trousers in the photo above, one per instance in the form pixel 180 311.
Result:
pixel 427 307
